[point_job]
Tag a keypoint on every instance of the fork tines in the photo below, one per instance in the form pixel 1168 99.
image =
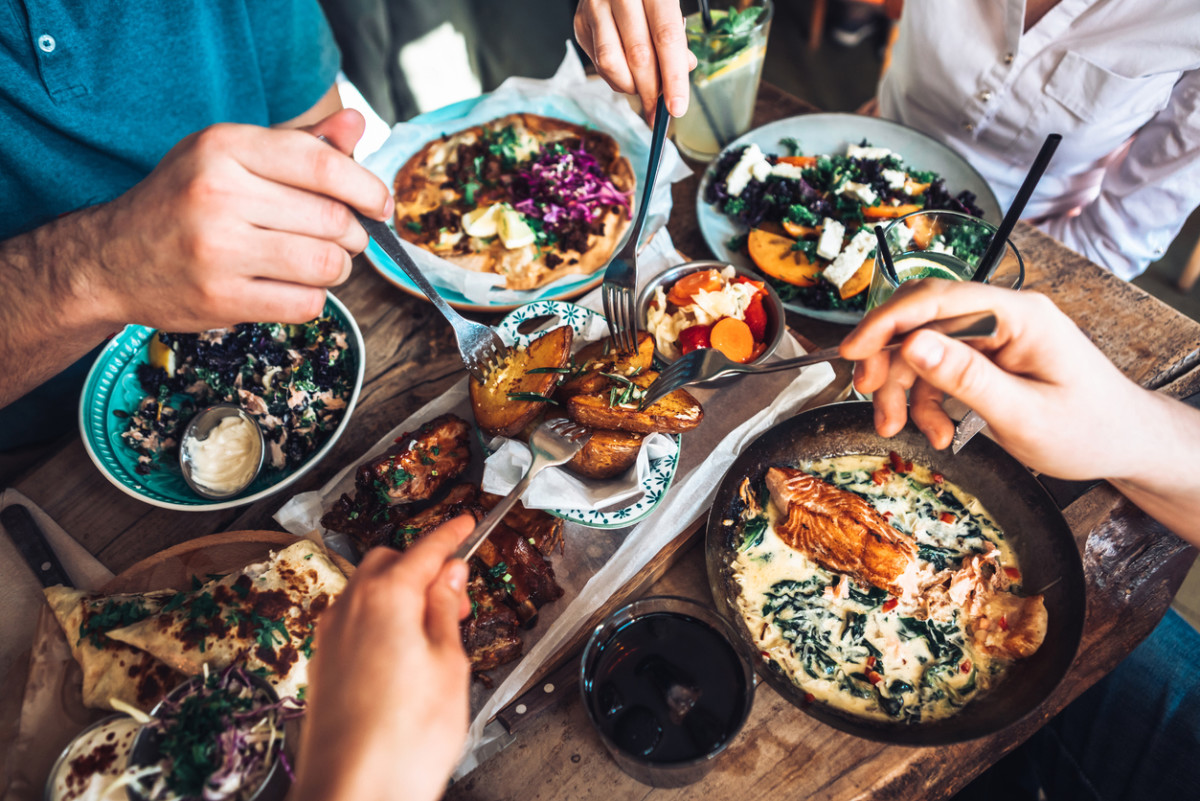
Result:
pixel 570 429
pixel 621 316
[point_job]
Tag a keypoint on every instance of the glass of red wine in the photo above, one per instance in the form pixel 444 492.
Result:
pixel 667 688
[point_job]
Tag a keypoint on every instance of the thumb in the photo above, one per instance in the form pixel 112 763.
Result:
pixel 343 129
pixel 959 370
pixel 444 605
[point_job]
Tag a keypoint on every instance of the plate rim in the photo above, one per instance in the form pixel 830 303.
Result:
pixel 102 360
pixel 827 315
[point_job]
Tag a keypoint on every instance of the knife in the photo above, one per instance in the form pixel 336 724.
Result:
pixel 971 424
pixel 29 540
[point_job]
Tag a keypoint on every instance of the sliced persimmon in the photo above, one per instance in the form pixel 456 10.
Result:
pixel 804 162
pixel 773 254
pixel 914 189
pixel 888 212
pixel 861 279
pixel 924 229
pixel 801 231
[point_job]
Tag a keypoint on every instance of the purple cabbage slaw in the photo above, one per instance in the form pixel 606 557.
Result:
pixel 562 184
pixel 244 761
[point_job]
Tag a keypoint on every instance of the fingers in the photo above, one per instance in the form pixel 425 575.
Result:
pixel 281 302
pixel 444 606
pixel 925 408
pixel 277 207
pixel 342 130
pixel 300 259
pixel 608 52
pixel 298 159
pixel 427 556
pixel 959 370
pixel 675 60
pixel 638 46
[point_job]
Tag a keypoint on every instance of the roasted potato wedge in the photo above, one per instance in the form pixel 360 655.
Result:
pixel 596 358
pixel 607 454
pixel 674 414
pixel 496 410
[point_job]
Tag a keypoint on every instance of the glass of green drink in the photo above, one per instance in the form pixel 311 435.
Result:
pixel 940 244
pixel 725 81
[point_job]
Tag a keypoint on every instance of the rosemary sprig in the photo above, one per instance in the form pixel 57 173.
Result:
pixel 539 370
pixel 531 396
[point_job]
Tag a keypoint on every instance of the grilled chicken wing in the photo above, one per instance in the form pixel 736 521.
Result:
pixel 420 464
pixel 489 633
pixel 841 531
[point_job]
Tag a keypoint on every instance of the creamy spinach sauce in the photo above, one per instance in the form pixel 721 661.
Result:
pixel 850 645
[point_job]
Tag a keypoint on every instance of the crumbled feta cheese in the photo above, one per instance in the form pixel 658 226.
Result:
pixel 785 170
pixel 904 236
pixel 750 165
pixel 861 191
pixel 830 243
pixel 938 246
pixel 895 178
pixel 868 153
pixel 850 259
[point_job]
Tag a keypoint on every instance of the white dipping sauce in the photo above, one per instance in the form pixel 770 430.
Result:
pixel 228 458
pixel 95 760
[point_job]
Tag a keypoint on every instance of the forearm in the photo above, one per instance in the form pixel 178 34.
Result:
pixel 1163 479
pixel 53 310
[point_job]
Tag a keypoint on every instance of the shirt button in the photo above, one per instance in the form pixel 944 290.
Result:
pixel 46 43
pixel 1008 58
pixel 985 95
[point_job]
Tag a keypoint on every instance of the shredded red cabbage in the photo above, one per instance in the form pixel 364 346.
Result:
pixel 562 184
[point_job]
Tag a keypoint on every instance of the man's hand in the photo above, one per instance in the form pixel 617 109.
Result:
pixel 632 43
pixel 1050 397
pixel 238 223
pixel 388 701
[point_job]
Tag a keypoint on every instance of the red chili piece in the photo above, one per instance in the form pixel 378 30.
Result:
pixel 897 462
pixel 694 338
pixel 938 478
pixel 871 661
pixel 1012 573
pixel 809 698
pixel 946 517
pixel 874 677
pixel 880 475
pixel 966 666
pixel 756 318
pixel 890 604
pixel 1004 622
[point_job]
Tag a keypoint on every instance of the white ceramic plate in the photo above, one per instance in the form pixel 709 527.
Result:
pixel 830 134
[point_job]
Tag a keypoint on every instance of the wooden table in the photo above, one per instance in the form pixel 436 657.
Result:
pixel 1133 565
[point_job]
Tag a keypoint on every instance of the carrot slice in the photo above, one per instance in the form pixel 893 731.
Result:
pixel 690 285
pixel 732 337
pixel 889 212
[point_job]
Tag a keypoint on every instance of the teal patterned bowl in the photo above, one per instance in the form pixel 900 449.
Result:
pixel 662 470
pixel 112 386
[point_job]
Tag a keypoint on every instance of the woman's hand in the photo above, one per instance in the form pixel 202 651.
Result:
pixel 633 43
pixel 388 692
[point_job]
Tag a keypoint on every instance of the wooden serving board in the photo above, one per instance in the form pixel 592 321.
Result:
pixel 52 712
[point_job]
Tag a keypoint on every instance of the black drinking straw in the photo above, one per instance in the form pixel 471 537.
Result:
pixel 995 248
pixel 884 253
pixel 705 15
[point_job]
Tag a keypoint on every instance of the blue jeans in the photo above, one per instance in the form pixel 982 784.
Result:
pixel 1133 736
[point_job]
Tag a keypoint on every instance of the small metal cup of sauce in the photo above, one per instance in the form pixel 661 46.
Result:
pixel 221 451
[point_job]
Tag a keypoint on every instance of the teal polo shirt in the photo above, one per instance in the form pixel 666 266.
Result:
pixel 93 93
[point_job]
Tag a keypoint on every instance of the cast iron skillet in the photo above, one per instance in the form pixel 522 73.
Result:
pixel 1031 521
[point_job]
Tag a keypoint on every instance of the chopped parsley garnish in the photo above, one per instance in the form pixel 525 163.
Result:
pixel 113 615
pixel 413 225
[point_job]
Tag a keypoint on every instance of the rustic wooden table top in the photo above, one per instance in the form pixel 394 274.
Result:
pixel 1133 565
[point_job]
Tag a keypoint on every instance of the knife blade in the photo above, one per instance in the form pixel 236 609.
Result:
pixel 971 424
pixel 29 540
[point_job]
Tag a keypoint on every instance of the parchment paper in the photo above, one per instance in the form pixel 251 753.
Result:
pixel 569 95
pixel 596 563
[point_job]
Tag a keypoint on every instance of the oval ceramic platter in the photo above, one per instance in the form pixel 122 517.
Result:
pixel 662 470
pixel 819 134
pixel 112 389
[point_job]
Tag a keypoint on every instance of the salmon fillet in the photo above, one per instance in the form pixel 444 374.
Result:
pixel 840 531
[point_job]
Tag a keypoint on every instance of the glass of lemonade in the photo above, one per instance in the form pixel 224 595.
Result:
pixel 940 244
pixel 725 81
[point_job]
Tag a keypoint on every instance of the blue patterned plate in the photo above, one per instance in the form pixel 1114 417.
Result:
pixel 112 386
pixel 662 470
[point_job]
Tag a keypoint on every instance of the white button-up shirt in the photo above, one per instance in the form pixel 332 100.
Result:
pixel 1120 80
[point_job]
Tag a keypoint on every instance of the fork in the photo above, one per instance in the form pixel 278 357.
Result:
pixel 620 279
pixel 480 348
pixel 553 443
pixel 705 363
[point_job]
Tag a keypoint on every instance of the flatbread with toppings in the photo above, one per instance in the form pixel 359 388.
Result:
pixel 528 197
pixel 111 669
pixel 262 616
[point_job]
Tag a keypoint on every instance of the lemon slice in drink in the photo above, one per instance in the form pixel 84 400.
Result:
pixel 747 58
